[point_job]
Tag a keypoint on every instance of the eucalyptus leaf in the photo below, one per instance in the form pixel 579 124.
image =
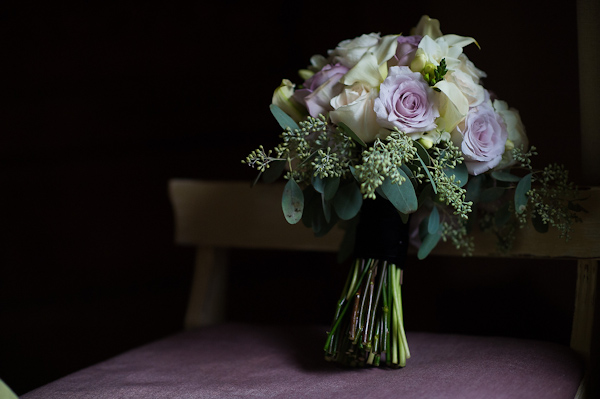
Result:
pixel 311 204
pixel 502 215
pixel 318 184
pixel 474 188
pixel 502 175
pixel 538 223
pixel 348 201
pixel 350 133
pixel 348 241
pixel 353 171
pixel 428 175
pixel 331 186
pixel 405 217
pixel 433 221
pixel 423 229
pixel 321 225
pixel 427 245
pixel 292 202
pixel 491 194
pixel 410 174
pixel 282 118
pixel 402 196
pixel 274 171
pixel 422 153
pixel 575 207
pixel 425 195
pixel 460 173
pixel 380 192
pixel 326 208
pixel 521 193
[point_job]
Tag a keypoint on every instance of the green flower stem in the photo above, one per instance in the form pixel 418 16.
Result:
pixel 369 318
pixel 371 308
pixel 404 352
pixel 386 321
pixel 355 315
pixel 398 320
pixel 337 321
pixel 394 326
pixel 350 292
pixel 375 305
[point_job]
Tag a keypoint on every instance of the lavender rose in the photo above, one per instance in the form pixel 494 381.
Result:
pixel 406 101
pixel 320 89
pixel 405 52
pixel 483 134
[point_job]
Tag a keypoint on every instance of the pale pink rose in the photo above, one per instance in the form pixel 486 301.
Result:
pixel 405 52
pixel 406 101
pixel 483 134
pixel 320 89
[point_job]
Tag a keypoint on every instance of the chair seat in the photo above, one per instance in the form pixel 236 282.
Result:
pixel 241 360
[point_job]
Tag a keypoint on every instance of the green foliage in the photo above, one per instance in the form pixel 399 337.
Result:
pixel 432 76
pixel 284 120
pixel 331 171
pixel 292 202
pixel 551 197
pixel 446 157
pixel 402 196
pixel 383 160
pixel 348 201
pixel 521 193
pixel 347 131
pixel 456 232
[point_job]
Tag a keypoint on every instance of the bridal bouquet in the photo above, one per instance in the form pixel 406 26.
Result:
pixel 395 139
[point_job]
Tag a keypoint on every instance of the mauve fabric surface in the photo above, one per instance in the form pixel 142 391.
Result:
pixel 241 361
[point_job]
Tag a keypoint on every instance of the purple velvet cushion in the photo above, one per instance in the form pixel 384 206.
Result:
pixel 240 360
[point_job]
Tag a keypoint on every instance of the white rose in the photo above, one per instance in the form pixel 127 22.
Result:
pixel 467 66
pixel 354 107
pixel 474 93
pixel 349 52
pixel 516 132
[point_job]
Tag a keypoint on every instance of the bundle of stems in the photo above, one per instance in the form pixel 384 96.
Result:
pixel 368 327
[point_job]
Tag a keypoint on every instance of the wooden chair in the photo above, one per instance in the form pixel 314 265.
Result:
pixel 217 358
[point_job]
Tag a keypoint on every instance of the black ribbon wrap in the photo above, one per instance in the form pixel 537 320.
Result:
pixel 380 233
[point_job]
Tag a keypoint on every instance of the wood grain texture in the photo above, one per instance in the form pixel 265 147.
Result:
pixel 233 214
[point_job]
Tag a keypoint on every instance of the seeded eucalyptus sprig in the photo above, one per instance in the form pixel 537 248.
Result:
pixel 330 171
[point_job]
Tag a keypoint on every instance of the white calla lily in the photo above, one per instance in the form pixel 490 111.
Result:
pixel 386 49
pixel 428 27
pixel 448 47
pixel 459 41
pixel 371 69
pixel 453 105
pixel 367 71
pixel 283 98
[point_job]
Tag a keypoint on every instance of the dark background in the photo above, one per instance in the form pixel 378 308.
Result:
pixel 104 103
